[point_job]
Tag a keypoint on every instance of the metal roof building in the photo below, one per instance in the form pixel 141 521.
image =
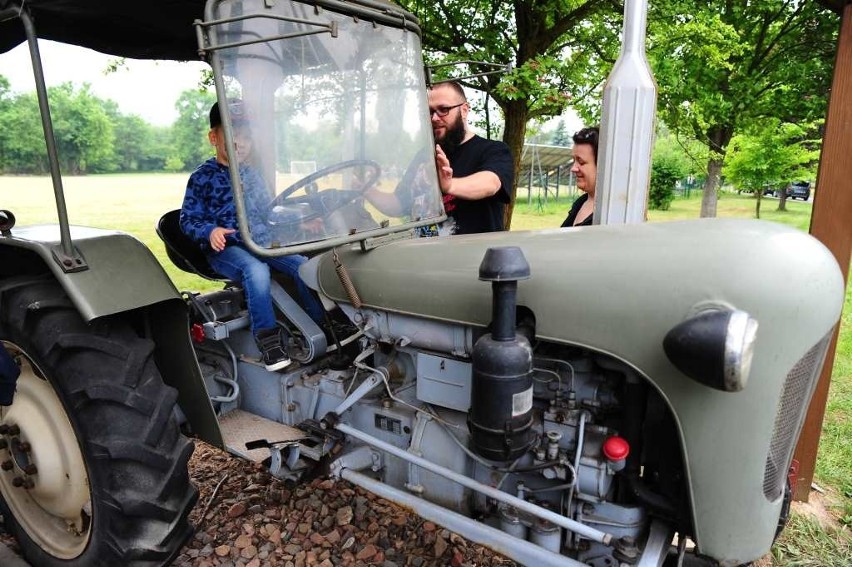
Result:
pixel 544 170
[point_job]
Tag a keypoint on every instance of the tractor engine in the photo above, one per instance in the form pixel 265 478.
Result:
pixel 528 436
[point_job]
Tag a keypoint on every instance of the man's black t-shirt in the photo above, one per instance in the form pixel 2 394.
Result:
pixel 482 215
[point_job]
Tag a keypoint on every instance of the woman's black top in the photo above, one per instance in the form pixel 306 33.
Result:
pixel 575 208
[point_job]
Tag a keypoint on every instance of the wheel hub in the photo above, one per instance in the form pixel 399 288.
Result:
pixel 43 477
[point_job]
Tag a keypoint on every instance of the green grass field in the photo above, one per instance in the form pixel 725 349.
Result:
pixel 134 203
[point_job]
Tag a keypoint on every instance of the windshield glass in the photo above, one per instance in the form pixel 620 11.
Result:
pixel 330 121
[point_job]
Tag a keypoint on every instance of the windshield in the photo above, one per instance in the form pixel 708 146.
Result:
pixel 330 122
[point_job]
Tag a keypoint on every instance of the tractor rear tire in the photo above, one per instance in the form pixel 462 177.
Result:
pixel 93 467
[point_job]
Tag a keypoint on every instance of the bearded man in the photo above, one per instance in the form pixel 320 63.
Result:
pixel 475 173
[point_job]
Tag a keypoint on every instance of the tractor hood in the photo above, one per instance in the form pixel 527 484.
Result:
pixel 587 285
pixel 618 290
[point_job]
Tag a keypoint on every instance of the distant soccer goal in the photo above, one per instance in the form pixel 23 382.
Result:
pixel 303 167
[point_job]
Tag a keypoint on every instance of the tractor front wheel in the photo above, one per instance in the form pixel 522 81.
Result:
pixel 93 467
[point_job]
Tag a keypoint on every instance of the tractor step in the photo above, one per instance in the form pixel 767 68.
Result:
pixel 240 427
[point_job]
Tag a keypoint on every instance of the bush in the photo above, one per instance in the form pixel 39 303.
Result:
pixel 174 164
pixel 664 174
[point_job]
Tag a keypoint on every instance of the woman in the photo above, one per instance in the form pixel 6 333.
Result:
pixel 585 168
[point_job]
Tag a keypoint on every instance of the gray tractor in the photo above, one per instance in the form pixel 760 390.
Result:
pixel 611 395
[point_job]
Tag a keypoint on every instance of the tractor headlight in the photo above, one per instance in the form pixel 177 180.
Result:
pixel 714 347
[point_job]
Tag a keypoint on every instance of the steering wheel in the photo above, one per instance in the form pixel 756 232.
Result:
pixel 328 200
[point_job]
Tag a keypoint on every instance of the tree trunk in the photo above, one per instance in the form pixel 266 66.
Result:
pixel 782 198
pixel 516 113
pixel 717 140
pixel 711 187
pixel 759 196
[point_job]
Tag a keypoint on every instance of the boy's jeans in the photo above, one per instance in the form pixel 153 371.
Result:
pixel 252 272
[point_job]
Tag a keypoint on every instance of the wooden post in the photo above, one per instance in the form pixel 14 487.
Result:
pixel 830 222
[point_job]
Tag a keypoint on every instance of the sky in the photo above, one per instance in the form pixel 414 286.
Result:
pixel 146 88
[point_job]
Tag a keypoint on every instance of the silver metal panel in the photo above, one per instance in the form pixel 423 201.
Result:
pixel 239 427
pixel 443 381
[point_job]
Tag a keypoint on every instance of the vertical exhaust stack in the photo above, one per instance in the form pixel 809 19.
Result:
pixel 627 128
pixel 500 417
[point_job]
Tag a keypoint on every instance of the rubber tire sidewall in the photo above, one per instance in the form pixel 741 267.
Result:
pixel 111 532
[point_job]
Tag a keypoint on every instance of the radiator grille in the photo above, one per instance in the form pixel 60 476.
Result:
pixel 795 397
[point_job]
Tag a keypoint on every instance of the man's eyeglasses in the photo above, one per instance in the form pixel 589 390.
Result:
pixel 442 111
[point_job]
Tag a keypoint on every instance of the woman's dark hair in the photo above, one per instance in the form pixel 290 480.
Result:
pixel 588 136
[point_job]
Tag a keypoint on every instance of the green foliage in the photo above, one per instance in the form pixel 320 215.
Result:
pixel 190 129
pixel 22 148
pixel 672 162
pixel 83 131
pixel 666 170
pixel 561 137
pixel 770 154
pixel 561 51
pixel 722 66
pixel 173 163
pixel 93 136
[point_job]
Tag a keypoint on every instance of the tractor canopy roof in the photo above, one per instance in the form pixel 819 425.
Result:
pixel 153 29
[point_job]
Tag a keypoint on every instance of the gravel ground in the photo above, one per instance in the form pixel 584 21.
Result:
pixel 247 518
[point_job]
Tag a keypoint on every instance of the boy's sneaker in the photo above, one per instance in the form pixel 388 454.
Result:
pixel 272 352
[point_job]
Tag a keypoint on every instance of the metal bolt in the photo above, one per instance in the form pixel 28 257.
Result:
pixel 31 469
pixel 4 429
pixel 29 484
pixel 7 465
pixel 17 482
pixel 14 430
pixel 25 447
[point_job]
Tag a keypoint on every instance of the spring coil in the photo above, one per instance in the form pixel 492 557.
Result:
pixel 346 281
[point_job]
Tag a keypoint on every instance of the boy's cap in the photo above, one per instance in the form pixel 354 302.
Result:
pixel 238 115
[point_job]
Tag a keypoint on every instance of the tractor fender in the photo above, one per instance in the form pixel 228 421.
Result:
pixel 118 273
pixel 121 276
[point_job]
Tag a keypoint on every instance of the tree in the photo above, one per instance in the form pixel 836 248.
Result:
pixel 135 147
pixel 558 51
pixel 22 148
pixel 83 131
pixel 670 163
pixel 770 153
pixel 561 136
pixel 189 132
pixel 722 66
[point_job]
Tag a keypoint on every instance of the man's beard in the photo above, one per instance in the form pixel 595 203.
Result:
pixel 453 136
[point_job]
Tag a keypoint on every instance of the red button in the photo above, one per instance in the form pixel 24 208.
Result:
pixel 616 448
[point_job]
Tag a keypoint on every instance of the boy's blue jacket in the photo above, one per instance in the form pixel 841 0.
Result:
pixel 209 202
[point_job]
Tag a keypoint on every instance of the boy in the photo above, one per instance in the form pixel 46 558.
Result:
pixel 209 217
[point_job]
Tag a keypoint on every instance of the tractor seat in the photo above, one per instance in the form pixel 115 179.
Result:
pixel 182 251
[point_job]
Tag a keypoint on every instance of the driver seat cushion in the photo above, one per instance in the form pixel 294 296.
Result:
pixel 182 251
